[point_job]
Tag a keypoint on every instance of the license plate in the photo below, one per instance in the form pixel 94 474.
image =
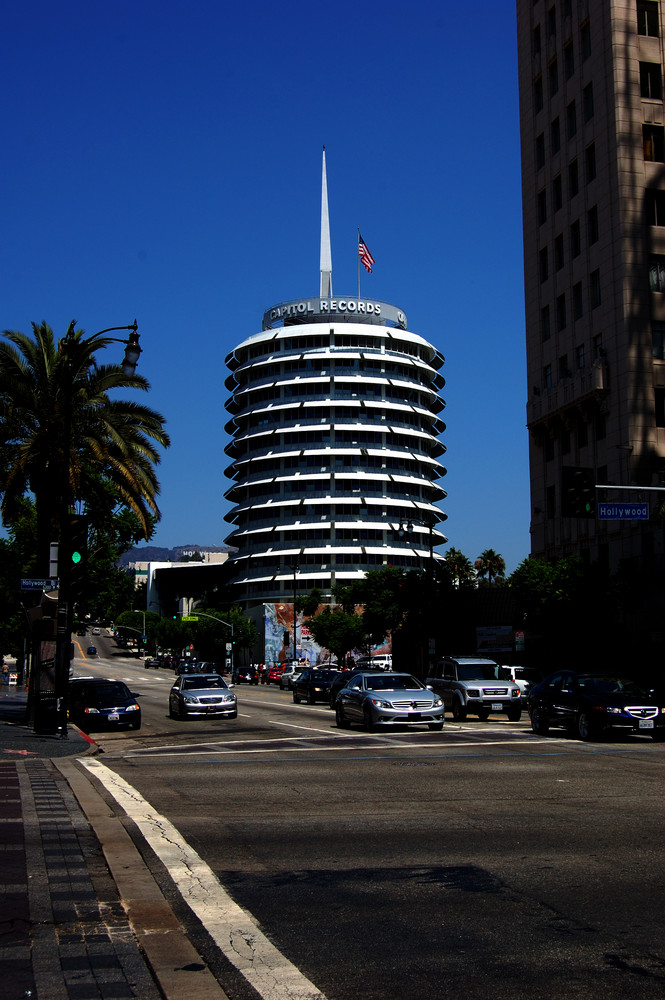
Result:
pixel 646 724
pixel 414 715
pixel 496 706
pixel 114 717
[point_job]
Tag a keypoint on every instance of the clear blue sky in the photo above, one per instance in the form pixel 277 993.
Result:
pixel 162 160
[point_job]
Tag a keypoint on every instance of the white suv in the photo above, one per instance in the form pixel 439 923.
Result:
pixel 472 684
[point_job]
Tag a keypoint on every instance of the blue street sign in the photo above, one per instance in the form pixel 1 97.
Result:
pixel 624 511
pixel 29 583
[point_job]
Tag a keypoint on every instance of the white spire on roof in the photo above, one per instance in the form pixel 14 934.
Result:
pixel 326 252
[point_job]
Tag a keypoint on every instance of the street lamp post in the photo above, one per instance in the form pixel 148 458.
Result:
pixel 295 569
pixel 65 603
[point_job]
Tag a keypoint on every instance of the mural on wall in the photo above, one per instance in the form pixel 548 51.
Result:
pixel 278 638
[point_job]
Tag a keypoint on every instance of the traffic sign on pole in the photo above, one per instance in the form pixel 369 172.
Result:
pixel 190 618
pixel 30 583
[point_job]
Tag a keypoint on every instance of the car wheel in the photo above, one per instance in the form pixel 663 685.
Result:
pixel 585 728
pixel 234 715
pixel 296 698
pixel 514 714
pixel 483 714
pixel 435 726
pixel 340 718
pixel 459 710
pixel 173 713
pixel 368 721
pixel 539 723
pixel 136 725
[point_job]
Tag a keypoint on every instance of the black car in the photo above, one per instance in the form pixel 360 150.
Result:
pixel 92 651
pixel 339 681
pixel 101 703
pixel 591 704
pixel 246 675
pixel 313 685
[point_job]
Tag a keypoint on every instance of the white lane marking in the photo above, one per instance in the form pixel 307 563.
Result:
pixel 231 927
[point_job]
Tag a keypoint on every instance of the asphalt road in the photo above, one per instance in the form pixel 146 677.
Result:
pixel 481 861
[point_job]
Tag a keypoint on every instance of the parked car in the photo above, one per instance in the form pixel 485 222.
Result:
pixel 377 661
pixel 96 631
pixel 185 667
pixel 589 705
pixel 388 699
pixel 313 685
pixel 476 685
pixel 202 694
pixel 101 703
pixel 92 651
pixel 151 662
pixel 246 675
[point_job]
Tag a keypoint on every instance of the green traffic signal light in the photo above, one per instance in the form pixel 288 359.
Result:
pixel 76 557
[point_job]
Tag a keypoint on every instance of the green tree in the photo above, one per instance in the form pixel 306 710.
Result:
pixel 491 565
pixel 459 568
pixel 54 394
pixel 339 631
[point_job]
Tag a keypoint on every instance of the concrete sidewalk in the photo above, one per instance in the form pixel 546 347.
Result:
pixel 66 931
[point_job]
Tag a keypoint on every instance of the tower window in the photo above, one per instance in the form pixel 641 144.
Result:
pixel 655 205
pixel 573 178
pixel 558 252
pixel 571 119
pixel 577 303
pixel 651 81
pixel 540 151
pixel 538 98
pixel 543 268
pixel 555 131
pixel 575 240
pixel 647 18
pixel 542 207
pixel 659 400
pixel 657 273
pixel 569 60
pixel 592 224
pixel 585 40
pixel 561 312
pixel 545 323
pixel 557 196
pixel 553 75
pixel 653 143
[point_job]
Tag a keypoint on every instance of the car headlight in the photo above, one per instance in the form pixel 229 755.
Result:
pixel 133 708
pixel 515 694
pixel 91 711
pixel 379 703
pixel 190 699
pixel 437 703
pixel 473 693
pixel 614 710
pixel 228 699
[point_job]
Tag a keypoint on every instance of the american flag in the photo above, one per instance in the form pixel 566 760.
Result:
pixel 365 255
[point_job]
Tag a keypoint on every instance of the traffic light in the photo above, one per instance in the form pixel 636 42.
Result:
pixel 78 554
pixel 578 492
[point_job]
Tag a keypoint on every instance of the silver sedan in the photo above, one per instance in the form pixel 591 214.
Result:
pixel 202 694
pixel 387 699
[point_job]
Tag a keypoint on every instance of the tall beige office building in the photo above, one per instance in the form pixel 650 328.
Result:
pixel 593 184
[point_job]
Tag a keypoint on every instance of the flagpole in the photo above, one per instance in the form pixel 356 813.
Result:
pixel 358 256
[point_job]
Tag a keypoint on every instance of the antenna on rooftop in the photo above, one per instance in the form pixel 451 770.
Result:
pixel 326 252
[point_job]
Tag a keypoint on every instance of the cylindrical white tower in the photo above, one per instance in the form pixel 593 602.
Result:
pixel 335 453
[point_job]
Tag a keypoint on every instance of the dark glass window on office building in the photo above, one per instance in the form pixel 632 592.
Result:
pixel 651 81
pixel 585 40
pixel 575 239
pixel 592 224
pixel 658 340
pixel 540 151
pixel 536 41
pixel 555 135
pixel 561 311
pixel 545 328
pixel 655 207
pixel 558 252
pixel 551 21
pixel 578 305
pixel 543 267
pixel 653 143
pixel 542 207
pixel 538 97
pixel 569 60
pixel 659 401
pixel 647 18
pixel 553 77
pixel 571 120
pixel 573 178
pixel 557 194
pixel 657 273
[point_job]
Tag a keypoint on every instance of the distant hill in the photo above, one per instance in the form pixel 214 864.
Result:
pixel 155 553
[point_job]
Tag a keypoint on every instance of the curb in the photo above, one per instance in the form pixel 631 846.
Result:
pixel 176 965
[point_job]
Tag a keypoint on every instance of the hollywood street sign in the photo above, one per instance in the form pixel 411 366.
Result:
pixel 625 511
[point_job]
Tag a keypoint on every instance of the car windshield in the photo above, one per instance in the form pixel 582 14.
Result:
pixel 479 672
pixel 322 675
pixel 392 682
pixel 612 685
pixel 106 694
pixel 203 682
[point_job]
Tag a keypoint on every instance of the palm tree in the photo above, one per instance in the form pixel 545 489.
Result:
pixel 459 566
pixel 491 565
pixel 60 430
